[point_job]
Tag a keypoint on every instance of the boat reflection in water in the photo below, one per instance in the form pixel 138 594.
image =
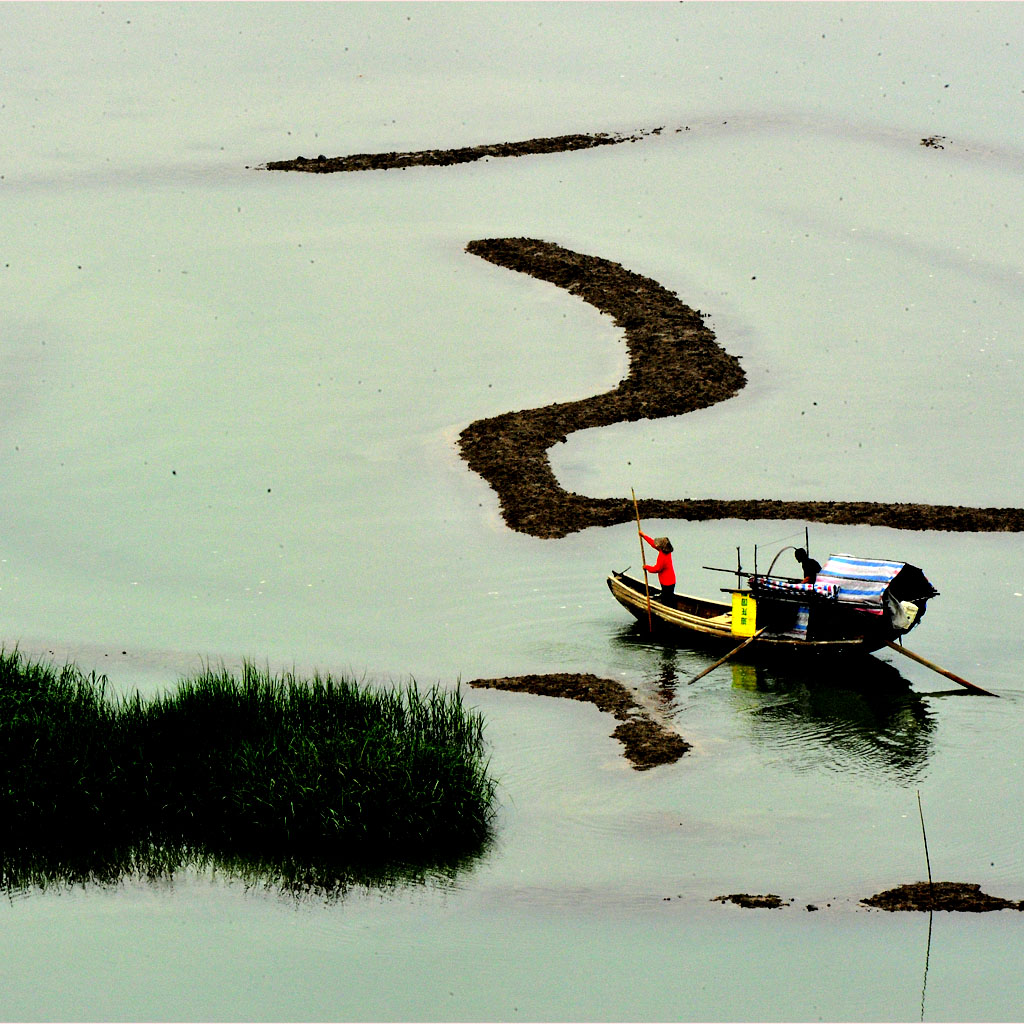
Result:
pixel 857 714
pixel 864 716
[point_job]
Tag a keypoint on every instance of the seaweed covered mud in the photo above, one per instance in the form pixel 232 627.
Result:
pixel 303 784
pixel 961 897
pixel 675 366
pixel 966 897
pixel 321 164
pixel 391 160
pixel 647 742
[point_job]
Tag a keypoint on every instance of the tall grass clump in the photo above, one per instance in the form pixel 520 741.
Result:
pixel 307 781
pixel 57 757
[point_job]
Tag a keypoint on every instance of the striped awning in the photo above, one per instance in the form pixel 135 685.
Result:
pixel 862 581
pixel 829 590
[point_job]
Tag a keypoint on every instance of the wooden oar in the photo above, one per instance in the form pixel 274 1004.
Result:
pixel 643 561
pixel 721 661
pixel 942 672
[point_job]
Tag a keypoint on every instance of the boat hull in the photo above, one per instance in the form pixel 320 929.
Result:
pixel 709 623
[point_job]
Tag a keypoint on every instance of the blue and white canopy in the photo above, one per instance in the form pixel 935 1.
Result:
pixel 861 581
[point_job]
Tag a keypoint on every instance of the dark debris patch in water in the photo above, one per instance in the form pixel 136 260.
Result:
pixel 961 896
pixel 742 899
pixel 965 897
pixel 647 743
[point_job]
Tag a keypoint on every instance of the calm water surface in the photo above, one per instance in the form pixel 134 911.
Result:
pixel 230 405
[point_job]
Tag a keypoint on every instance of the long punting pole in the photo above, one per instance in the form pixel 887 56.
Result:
pixel 643 559
pixel 942 672
pixel 721 661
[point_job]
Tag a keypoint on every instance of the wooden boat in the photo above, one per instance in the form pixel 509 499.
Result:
pixel 854 605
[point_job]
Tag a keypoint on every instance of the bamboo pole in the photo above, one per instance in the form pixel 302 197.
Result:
pixel 942 672
pixel 924 836
pixel 643 560
pixel 721 661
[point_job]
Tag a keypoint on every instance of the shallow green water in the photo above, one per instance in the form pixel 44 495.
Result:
pixel 230 403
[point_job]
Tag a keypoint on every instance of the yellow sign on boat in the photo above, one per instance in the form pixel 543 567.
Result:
pixel 744 613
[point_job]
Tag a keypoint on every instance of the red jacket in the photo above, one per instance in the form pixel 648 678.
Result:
pixel 663 565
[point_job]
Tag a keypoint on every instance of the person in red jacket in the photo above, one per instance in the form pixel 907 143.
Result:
pixel 663 567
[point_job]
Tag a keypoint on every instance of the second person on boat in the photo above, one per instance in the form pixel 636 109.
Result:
pixel 663 567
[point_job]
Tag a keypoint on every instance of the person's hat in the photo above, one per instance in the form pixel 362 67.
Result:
pixel 663 544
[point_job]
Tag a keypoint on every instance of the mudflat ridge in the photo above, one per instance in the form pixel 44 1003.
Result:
pixel 675 367
pixel 647 742
pixel 446 157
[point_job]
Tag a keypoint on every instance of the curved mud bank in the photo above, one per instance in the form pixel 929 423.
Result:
pixel 648 743
pixel 675 367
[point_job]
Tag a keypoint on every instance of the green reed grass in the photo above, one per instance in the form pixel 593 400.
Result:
pixel 309 780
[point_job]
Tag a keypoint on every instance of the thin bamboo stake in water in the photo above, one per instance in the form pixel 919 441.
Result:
pixel 927 957
pixel 924 835
pixel 643 559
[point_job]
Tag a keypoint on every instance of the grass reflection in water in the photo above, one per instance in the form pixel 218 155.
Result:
pixel 307 785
